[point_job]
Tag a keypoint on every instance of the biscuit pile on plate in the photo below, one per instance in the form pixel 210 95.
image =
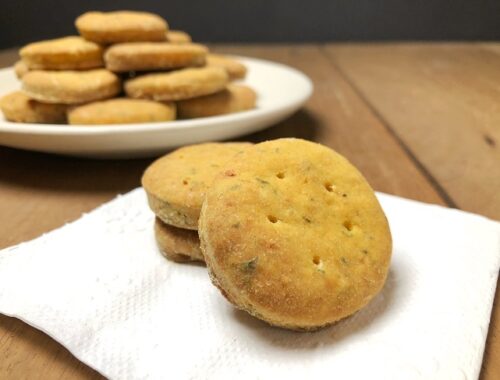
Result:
pixel 125 67
pixel 290 231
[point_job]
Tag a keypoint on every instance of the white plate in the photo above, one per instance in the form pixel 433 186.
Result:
pixel 281 91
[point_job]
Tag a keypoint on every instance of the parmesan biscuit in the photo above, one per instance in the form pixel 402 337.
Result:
pixel 235 98
pixel 178 37
pixel 142 56
pixel 67 53
pixel 71 87
pixel 177 85
pixel 235 69
pixel 20 108
pixel 176 183
pixel 294 235
pixel 177 244
pixel 121 26
pixel 121 111
pixel 20 69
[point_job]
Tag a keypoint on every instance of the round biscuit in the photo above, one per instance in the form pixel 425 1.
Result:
pixel 234 98
pixel 178 85
pixel 177 244
pixel 20 69
pixel 176 183
pixel 67 53
pixel 294 235
pixel 121 26
pixel 142 56
pixel 178 37
pixel 20 108
pixel 121 111
pixel 235 69
pixel 71 87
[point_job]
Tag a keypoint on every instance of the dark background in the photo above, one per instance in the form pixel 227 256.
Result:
pixel 22 21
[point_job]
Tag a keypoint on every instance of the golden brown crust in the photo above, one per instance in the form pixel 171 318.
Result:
pixel 67 53
pixel 20 108
pixel 235 98
pixel 178 37
pixel 70 87
pixel 20 69
pixel 235 69
pixel 177 244
pixel 177 85
pixel 295 236
pixel 142 56
pixel 121 26
pixel 176 183
pixel 121 111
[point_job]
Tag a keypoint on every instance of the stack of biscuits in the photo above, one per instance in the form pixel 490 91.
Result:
pixel 290 231
pixel 176 185
pixel 124 67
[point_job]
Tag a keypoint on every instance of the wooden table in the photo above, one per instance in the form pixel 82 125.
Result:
pixel 419 120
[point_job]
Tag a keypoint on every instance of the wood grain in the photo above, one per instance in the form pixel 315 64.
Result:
pixel 442 101
pixel 341 119
pixel 39 192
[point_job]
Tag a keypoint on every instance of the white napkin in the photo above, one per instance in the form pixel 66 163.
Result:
pixel 100 287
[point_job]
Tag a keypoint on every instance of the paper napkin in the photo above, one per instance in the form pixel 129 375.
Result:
pixel 100 287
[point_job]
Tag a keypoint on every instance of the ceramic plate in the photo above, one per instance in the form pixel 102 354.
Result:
pixel 281 91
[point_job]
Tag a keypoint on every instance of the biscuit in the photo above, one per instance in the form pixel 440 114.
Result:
pixel 178 37
pixel 176 183
pixel 67 53
pixel 20 108
pixel 178 85
pixel 20 69
pixel 142 56
pixel 235 69
pixel 177 244
pixel 121 111
pixel 235 98
pixel 294 235
pixel 71 87
pixel 121 26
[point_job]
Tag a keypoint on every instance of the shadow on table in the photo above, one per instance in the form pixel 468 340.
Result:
pixel 42 171
pixel 26 169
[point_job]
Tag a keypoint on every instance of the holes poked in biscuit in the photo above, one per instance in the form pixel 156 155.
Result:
pixel 280 175
pixel 329 186
pixel 185 181
pixel 272 218
pixel 318 263
pixel 348 225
